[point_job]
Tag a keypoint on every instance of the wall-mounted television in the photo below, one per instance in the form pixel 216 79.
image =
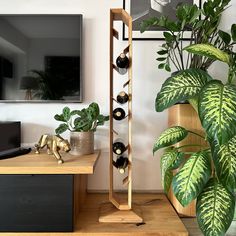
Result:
pixel 41 58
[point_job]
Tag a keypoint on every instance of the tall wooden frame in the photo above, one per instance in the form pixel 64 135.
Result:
pixel 121 209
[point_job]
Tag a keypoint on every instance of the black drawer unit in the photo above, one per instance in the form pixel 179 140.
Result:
pixel 36 203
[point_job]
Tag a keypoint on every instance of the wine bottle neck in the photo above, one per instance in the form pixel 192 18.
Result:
pixel 122 56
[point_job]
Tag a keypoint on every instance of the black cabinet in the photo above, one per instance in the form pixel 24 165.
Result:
pixel 36 203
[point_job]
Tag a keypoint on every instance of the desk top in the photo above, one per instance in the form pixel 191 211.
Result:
pixel 47 164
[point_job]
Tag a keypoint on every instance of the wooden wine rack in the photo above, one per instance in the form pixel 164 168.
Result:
pixel 120 209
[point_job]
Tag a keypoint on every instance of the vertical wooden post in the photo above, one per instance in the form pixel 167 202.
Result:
pixel 121 210
pixel 130 75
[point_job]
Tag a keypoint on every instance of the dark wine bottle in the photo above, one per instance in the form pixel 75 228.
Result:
pixel 118 113
pixel 122 62
pixel 118 147
pixel 122 97
pixel 121 163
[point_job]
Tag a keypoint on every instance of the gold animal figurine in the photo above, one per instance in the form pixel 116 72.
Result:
pixel 54 143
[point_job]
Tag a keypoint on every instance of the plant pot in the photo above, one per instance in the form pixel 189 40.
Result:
pixel 82 143
pixel 184 115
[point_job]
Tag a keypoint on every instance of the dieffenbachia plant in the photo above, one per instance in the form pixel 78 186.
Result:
pixel 208 175
pixel 83 120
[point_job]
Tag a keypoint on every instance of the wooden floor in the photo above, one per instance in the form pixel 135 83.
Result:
pixel 159 218
pixel 192 227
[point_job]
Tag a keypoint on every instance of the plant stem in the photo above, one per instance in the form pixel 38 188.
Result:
pixel 207 149
pixel 173 51
pixel 179 51
pixel 172 59
pixel 69 123
pixel 180 55
pixel 231 74
pixel 196 134
pixel 191 42
pixel 189 145
pixel 174 63
pixel 188 153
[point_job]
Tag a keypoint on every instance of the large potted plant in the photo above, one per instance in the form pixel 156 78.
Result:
pixel 209 175
pixel 82 124
pixel 201 25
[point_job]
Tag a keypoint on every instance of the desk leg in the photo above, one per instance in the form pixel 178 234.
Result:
pixel 80 192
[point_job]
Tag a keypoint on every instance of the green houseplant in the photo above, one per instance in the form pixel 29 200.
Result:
pixel 202 26
pixel 209 175
pixel 204 30
pixel 82 124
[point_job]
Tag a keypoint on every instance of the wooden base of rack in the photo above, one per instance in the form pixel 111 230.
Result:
pixel 110 214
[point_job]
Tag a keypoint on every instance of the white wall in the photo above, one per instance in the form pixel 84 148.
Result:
pixel 147 124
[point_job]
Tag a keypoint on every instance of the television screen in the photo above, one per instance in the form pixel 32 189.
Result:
pixel 6 68
pixel 40 58
pixel 10 138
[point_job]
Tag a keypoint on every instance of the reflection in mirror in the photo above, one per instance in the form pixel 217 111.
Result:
pixel 40 58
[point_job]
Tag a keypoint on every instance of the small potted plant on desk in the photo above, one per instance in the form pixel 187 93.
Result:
pixel 82 124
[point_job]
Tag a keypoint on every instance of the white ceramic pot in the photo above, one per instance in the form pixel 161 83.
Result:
pixel 82 143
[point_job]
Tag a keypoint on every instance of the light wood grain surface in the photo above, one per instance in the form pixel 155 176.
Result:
pixel 119 14
pixel 184 115
pixel 159 218
pixel 110 214
pixel 192 227
pixel 47 164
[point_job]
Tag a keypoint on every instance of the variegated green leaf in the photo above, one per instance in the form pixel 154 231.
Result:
pixel 182 86
pixel 169 137
pixel 62 128
pixel 66 113
pixel 224 158
pixel 215 209
pixel 217 110
pixel 209 51
pixel 170 160
pixel 192 177
pixel 194 103
pixel 166 180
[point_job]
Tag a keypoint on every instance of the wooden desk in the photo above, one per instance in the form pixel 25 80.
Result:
pixel 40 164
pixel 159 217
pixel 47 164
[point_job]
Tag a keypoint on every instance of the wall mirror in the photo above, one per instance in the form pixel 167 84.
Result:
pixel 40 58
